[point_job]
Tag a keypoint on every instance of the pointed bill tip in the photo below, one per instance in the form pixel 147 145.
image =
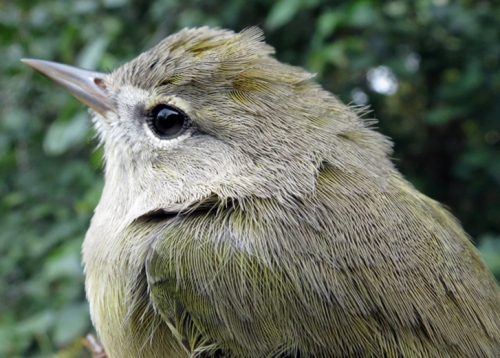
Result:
pixel 87 86
pixel 27 61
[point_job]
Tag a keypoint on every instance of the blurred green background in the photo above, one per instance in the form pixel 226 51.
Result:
pixel 428 69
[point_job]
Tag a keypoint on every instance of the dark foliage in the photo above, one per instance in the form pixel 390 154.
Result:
pixel 429 70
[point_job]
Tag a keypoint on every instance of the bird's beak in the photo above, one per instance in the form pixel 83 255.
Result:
pixel 87 86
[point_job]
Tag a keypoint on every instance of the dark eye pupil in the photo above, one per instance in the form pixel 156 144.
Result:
pixel 168 122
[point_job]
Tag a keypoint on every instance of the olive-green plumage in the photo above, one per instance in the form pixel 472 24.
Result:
pixel 274 224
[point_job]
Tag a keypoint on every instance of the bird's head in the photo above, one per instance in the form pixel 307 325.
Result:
pixel 207 113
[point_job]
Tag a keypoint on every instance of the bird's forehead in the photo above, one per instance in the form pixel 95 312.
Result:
pixel 133 95
pixel 133 99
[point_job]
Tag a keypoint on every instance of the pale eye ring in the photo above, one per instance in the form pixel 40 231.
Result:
pixel 167 121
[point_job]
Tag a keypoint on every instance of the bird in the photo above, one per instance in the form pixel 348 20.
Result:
pixel 248 212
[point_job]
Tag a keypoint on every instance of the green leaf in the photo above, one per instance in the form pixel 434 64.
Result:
pixel 37 323
pixel 73 322
pixel 363 14
pixel 281 13
pixel 328 22
pixel 16 121
pixel 64 263
pixel 443 115
pixel 91 54
pixel 64 135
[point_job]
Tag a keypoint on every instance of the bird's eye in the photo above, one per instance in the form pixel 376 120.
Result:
pixel 167 121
